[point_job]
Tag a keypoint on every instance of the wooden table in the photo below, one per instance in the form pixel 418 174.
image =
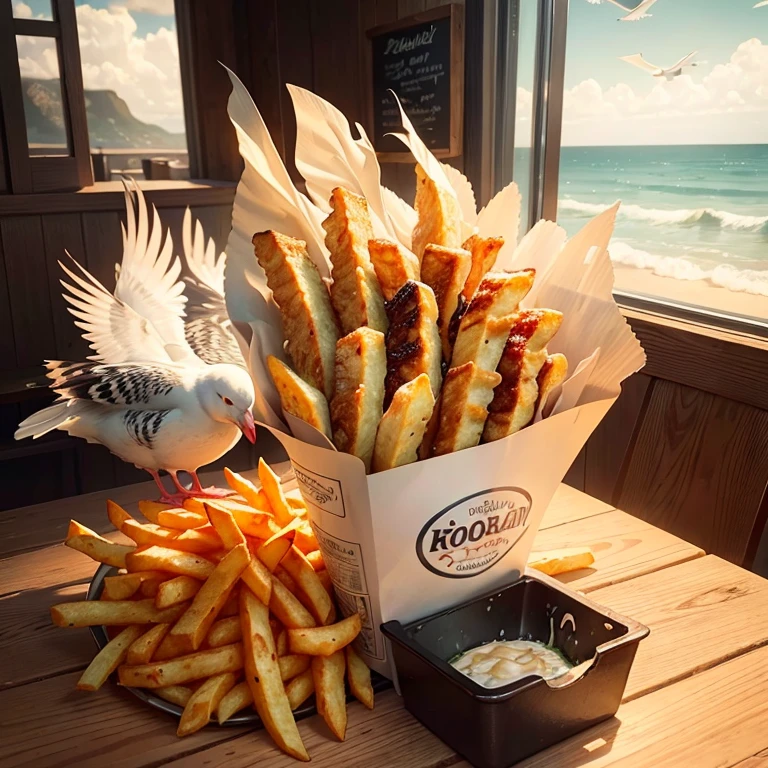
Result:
pixel 697 695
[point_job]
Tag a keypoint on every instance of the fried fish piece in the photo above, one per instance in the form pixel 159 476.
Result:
pixel 413 341
pixel 485 326
pixel 298 398
pixel 393 264
pixel 484 252
pixel 439 216
pixel 355 291
pixel 402 428
pixel 445 271
pixel 514 400
pixel 309 325
pixel 467 391
pixel 551 376
pixel 358 401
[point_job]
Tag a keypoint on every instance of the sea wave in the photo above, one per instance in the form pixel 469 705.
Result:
pixel 685 217
pixel 723 275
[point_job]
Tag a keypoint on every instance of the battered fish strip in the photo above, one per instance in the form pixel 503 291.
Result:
pixel 439 216
pixel 393 264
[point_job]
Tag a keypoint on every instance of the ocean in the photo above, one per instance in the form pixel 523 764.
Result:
pixel 688 212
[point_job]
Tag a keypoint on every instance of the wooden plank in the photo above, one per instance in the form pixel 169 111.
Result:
pixel 73 728
pixel 568 505
pixel 726 363
pixel 103 245
pixel 756 761
pixel 609 444
pixel 27 276
pixel 701 613
pixel 708 458
pixel 624 548
pixel 64 232
pixel 7 344
pixel 709 720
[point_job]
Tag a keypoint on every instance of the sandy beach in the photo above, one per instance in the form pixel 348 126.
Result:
pixel 697 292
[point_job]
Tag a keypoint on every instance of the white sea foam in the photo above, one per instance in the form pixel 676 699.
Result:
pixel 680 217
pixel 723 275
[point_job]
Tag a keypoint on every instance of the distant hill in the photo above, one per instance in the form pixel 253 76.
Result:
pixel 111 125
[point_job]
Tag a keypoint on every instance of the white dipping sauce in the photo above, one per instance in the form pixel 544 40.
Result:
pixel 504 661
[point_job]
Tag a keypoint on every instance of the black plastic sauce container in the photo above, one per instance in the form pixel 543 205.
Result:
pixel 497 727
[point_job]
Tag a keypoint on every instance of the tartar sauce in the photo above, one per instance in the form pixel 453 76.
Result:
pixel 504 661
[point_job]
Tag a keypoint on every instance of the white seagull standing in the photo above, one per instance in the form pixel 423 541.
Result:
pixel 637 60
pixel 159 393
pixel 632 14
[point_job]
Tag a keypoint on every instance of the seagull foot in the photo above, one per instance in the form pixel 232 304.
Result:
pixel 211 493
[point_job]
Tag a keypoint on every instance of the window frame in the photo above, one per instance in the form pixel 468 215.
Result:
pixel 25 173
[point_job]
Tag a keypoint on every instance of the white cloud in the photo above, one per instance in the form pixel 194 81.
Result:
pixel 21 10
pixel 155 7
pixel 144 71
pixel 677 111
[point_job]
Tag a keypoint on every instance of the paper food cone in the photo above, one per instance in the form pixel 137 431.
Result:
pixel 410 541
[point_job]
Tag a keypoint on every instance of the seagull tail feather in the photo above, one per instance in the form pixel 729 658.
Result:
pixel 41 423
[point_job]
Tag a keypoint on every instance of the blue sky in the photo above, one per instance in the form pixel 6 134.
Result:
pixel 145 22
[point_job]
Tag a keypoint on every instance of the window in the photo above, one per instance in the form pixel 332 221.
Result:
pixel 669 113
pixel 92 83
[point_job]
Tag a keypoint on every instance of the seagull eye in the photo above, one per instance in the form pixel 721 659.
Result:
pixel 227 401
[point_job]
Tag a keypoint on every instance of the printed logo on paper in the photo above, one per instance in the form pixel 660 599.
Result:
pixel 473 534
pixel 320 491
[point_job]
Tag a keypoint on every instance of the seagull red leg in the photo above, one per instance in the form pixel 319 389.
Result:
pixel 164 495
pixel 209 493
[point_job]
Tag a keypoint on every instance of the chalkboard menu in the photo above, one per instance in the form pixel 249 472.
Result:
pixel 421 59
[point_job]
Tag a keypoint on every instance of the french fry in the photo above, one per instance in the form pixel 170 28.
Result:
pixel 270 484
pixel 288 581
pixel 300 688
pixel 199 540
pixel 325 578
pixel 292 665
pixel 315 559
pixel 561 560
pixel 116 514
pixel 151 509
pixel 176 694
pixel 255 497
pixel 194 505
pixel 320 604
pixel 107 660
pixel 126 585
pixel 176 590
pixel 224 632
pixel 263 675
pixel 188 633
pixel 359 677
pixel 203 702
pixel 184 669
pixel 328 677
pixel 235 700
pixel 116 613
pixel 181 519
pixel 324 641
pixel 143 647
pixel 274 549
pixel 287 607
pixel 225 525
pixel 259 525
pixel 232 606
pixel 97 547
pixel 281 643
pixel 165 559
pixel 151 587
pixel 305 539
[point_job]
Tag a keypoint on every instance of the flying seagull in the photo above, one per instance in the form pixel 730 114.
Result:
pixel 637 60
pixel 760 4
pixel 632 14
pixel 167 387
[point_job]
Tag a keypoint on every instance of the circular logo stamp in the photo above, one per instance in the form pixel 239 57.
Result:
pixel 473 534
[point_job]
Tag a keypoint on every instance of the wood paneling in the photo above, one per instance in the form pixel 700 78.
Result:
pixel 7 343
pixel 699 468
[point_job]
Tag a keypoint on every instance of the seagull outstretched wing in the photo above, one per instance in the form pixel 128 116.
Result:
pixel 683 62
pixel 637 60
pixel 635 14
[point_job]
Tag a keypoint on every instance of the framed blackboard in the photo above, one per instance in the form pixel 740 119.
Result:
pixel 421 59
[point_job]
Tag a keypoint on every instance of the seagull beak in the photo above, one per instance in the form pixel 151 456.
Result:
pixel 248 426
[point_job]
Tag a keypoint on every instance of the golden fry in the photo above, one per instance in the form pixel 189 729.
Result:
pixel 324 641
pixel 359 677
pixel 292 665
pixel 147 534
pixel 300 688
pixel 151 509
pixel 274 549
pixel 560 561
pixel 255 497
pixel 202 703
pixel 184 669
pixel 181 519
pixel 165 559
pixel 237 699
pixel 143 648
pixel 315 559
pixel 110 613
pixel 224 632
pixel 263 676
pixel 107 660
pixel 116 514
pixel 319 601
pixel 97 547
pixel 328 677
pixel 126 585
pixel 176 590
pixel 305 539
pixel 270 484
pixel 176 694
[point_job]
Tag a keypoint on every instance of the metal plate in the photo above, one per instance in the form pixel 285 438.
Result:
pixel 246 717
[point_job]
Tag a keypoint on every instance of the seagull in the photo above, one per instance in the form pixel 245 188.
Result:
pixel 159 392
pixel 760 4
pixel 633 14
pixel 637 60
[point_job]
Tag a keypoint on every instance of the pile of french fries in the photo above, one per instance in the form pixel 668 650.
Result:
pixel 223 605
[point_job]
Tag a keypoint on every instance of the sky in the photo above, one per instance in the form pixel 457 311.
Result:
pixel 128 46
pixel 722 100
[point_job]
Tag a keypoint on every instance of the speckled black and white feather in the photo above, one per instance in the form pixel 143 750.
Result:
pixel 143 426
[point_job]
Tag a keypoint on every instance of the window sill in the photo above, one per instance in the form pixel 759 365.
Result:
pixel 108 196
